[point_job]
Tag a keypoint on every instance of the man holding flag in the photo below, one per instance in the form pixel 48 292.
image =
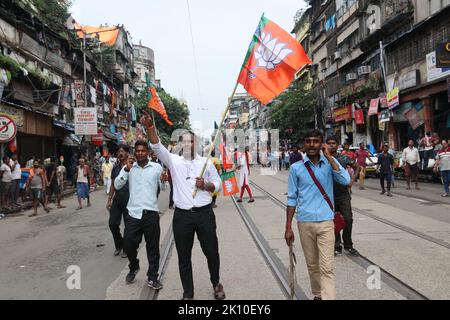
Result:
pixel 193 214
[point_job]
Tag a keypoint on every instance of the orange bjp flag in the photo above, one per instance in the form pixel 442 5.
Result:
pixel 229 183
pixel 272 60
pixel 156 104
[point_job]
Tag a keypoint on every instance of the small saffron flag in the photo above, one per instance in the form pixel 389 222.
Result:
pixel 272 60
pixel 229 183
pixel 156 104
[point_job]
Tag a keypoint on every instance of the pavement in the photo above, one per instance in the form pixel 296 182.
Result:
pixel 413 246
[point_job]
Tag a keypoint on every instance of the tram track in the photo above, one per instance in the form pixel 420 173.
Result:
pixel 386 277
pixel 168 244
pixel 403 228
pixel 277 267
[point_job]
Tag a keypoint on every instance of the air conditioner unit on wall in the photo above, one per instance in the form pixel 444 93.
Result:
pixel 364 70
pixel 351 76
pixel 337 55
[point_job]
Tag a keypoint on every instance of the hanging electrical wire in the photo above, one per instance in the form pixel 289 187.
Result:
pixel 194 54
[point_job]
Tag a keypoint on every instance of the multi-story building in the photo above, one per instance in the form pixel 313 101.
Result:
pixel 41 64
pixel 348 40
pixel 238 113
pixel 144 63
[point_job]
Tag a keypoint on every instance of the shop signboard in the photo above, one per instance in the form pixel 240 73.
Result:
pixel 393 98
pixel 13 113
pixel 433 72
pixel 443 55
pixel 343 114
pixel 385 116
pixel 85 120
pixel 359 117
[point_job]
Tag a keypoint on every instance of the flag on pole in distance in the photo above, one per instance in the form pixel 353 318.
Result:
pixel 229 183
pixel 272 60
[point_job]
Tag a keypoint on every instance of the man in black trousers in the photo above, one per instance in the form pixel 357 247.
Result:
pixel 193 215
pixel 142 218
pixel 118 200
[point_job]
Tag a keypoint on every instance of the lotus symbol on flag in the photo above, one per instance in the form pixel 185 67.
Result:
pixel 229 186
pixel 270 53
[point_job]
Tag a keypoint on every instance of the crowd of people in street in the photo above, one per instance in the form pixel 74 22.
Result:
pixel 321 176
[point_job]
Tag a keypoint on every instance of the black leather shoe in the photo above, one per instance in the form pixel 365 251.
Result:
pixel 219 293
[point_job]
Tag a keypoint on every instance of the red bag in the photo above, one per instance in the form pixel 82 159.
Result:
pixel 339 221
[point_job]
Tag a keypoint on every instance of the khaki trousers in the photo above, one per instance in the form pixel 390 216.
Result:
pixel 317 239
pixel 362 177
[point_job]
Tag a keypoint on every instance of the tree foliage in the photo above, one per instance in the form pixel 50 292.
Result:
pixel 53 12
pixel 293 113
pixel 177 111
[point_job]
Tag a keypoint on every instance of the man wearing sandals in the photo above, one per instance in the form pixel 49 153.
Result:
pixel 36 184
pixel 82 176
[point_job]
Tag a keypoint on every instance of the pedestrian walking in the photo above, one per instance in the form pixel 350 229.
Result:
pixel 193 214
pixel 81 177
pixel 52 181
pixel 107 167
pixel 314 215
pixel 343 200
pixel 361 155
pixel 142 217
pixel 36 185
pixel 411 161
pixel 118 201
pixel 5 182
pixel 385 168
pixel 60 172
pixel 16 175
pixel 427 142
pixel 295 156
pixel 443 166
pixel 244 175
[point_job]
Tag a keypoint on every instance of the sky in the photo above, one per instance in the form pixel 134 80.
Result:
pixel 222 31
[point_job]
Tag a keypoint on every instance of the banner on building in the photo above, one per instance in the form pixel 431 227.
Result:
pixel 385 116
pixel 79 93
pixel 393 98
pixel 85 120
pixel 359 117
pixel 414 118
pixel 373 110
pixel 343 114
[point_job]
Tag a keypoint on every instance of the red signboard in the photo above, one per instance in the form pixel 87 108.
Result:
pixel 97 140
pixel 343 114
pixel 373 110
pixel 359 117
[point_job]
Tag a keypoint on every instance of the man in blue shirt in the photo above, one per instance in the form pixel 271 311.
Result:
pixel 142 218
pixel 314 215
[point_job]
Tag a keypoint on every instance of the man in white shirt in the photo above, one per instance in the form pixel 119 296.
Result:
pixel 192 214
pixel 411 161
pixel 16 175
pixel 5 183
pixel 142 218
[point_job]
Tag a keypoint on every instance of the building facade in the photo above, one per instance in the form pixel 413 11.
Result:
pixel 365 50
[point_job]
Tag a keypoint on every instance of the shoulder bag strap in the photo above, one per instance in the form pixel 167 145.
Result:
pixel 322 191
